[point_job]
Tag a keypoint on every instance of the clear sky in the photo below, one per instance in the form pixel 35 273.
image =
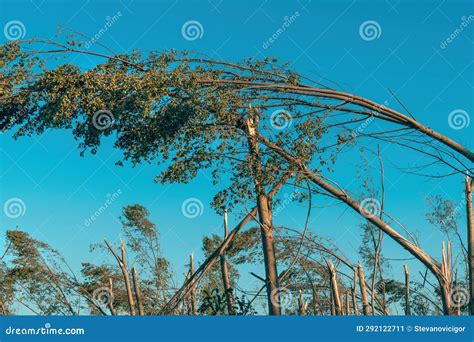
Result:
pixel 324 41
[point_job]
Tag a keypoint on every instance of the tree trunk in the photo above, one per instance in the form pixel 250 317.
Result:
pixel 470 240
pixel 363 290
pixel 407 290
pixel 123 267
pixel 444 279
pixel 229 297
pixel 334 289
pixel 355 308
pixel 138 294
pixel 265 217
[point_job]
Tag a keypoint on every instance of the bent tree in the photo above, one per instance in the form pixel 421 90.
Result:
pixel 188 113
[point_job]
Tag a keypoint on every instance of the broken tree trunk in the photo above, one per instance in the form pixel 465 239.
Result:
pixel 470 240
pixel 264 216
pixel 446 284
pixel 229 297
pixel 138 294
pixel 407 290
pixel 363 290
pixel 122 261
pixel 334 288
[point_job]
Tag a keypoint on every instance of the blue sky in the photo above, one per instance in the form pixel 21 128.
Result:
pixel 61 190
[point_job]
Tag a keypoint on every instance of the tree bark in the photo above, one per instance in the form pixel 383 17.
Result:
pixel 355 308
pixel 225 273
pixel 445 279
pixel 193 290
pixel 363 290
pixel 123 267
pixel 334 288
pixel 265 217
pixel 138 294
pixel 470 240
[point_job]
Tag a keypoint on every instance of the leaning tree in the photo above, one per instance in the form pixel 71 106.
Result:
pixel 254 124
